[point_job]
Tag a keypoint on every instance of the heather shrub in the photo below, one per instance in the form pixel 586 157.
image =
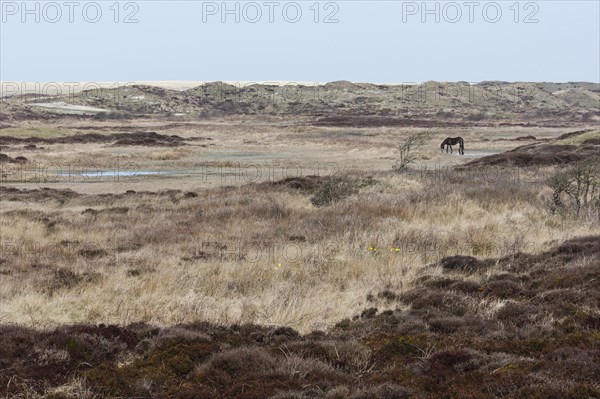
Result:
pixel 333 190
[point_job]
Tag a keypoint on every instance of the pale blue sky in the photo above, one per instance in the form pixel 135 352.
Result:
pixel 369 43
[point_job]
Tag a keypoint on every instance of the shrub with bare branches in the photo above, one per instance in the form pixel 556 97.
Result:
pixel 576 189
pixel 407 154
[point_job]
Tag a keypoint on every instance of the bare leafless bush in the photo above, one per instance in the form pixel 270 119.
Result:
pixel 407 148
pixel 576 190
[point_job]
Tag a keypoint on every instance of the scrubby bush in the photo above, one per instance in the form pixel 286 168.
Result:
pixel 446 325
pixel 407 154
pixel 476 117
pixel 333 190
pixel 576 189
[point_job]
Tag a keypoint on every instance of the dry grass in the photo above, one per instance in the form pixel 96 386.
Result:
pixel 223 246
pixel 519 318
pixel 523 325
pixel 252 254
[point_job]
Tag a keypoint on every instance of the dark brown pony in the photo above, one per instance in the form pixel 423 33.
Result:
pixel 450 141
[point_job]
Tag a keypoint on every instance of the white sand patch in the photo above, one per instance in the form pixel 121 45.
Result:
pixel 64 108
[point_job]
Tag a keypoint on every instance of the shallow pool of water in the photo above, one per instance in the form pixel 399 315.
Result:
pixel 480 154
pixel 113 173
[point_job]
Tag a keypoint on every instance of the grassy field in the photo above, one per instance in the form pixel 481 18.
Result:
pixel 164 257
pixel 288 228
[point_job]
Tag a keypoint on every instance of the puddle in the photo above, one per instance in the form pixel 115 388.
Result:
pixel 480 154
pixel 113 173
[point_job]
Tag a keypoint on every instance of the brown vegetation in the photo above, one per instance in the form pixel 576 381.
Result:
pixel 529 329
pixel 542 154
pixel 135 138
pixel 296 260
pixel 6 158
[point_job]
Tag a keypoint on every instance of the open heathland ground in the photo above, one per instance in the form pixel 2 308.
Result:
pixel 184 244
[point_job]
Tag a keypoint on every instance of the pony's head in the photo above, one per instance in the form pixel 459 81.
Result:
pixel 443 145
